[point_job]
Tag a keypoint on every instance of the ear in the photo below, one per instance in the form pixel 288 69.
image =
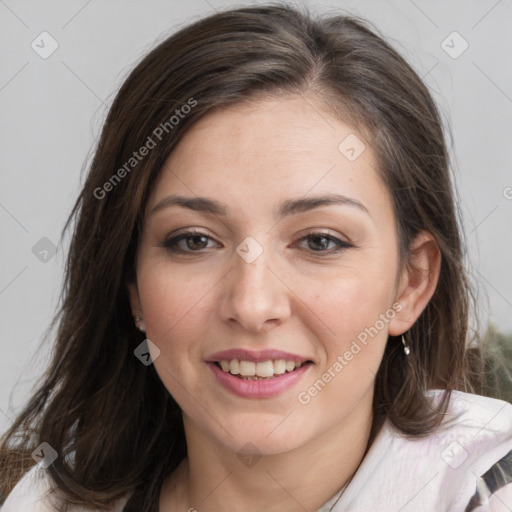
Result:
pixel 133 294
pixel 135 305
pixel 417 283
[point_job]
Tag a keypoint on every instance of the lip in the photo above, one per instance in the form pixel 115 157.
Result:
pixel 266 388
pixel 254 356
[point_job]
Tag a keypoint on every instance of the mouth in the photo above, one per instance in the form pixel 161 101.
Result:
pixel 261 370
pixel 258 374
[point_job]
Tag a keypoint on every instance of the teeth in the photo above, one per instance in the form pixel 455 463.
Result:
pixel 263 369
pixel 279 366
pixel 234 366
pixel 247 368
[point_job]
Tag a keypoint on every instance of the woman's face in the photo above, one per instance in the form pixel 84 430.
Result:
pixel 273 273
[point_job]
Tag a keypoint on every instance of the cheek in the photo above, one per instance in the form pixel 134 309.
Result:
pixel 351 317
pixel 352 337
pixel 175 305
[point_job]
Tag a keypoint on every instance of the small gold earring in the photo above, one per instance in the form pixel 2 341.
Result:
pixel 407 350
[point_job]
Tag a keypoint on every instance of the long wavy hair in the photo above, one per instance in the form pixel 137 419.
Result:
pixel 115 427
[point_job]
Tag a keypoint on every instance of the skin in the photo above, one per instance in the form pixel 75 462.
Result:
pixel 252 157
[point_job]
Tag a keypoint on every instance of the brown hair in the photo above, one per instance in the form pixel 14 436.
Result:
pixel 114 425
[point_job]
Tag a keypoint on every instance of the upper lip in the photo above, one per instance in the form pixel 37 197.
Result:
pixel 255 356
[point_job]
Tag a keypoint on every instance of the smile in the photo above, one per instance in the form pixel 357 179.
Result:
pixel 251 370
pixel 254 386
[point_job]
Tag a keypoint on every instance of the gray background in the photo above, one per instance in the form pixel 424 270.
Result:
pixel 52 110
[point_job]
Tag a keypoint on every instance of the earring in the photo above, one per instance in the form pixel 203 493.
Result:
pixel 139 322
pixel 407 350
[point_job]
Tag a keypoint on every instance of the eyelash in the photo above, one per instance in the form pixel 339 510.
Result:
pixel 170 244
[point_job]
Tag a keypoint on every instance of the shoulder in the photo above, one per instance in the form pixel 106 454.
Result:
pixel 474 427
pixel 467 406
pixel 29 493
pixel 463 465
pixel 475 444
pixel 483 427
pixel 32 492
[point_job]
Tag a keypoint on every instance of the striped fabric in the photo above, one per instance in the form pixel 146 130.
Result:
pixel 495 482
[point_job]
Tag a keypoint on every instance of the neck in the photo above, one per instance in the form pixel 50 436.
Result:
pixel 214 479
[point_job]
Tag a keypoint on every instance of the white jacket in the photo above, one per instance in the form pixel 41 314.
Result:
pixel 466 467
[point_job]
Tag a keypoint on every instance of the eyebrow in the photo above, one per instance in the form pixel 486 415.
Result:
pixel 286 208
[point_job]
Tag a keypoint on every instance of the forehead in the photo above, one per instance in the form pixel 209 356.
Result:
pixel 272 148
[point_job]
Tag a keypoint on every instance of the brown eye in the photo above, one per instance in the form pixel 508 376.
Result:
pixel 194 242
pixel 319 242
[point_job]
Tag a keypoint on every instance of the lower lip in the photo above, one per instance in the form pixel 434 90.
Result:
pixel 264 388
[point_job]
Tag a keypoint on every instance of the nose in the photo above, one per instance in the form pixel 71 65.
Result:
pixel 256 298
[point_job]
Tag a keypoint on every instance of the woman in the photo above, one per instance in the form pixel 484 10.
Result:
pixel 265 304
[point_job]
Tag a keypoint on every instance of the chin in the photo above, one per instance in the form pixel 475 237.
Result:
pixel 265 437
